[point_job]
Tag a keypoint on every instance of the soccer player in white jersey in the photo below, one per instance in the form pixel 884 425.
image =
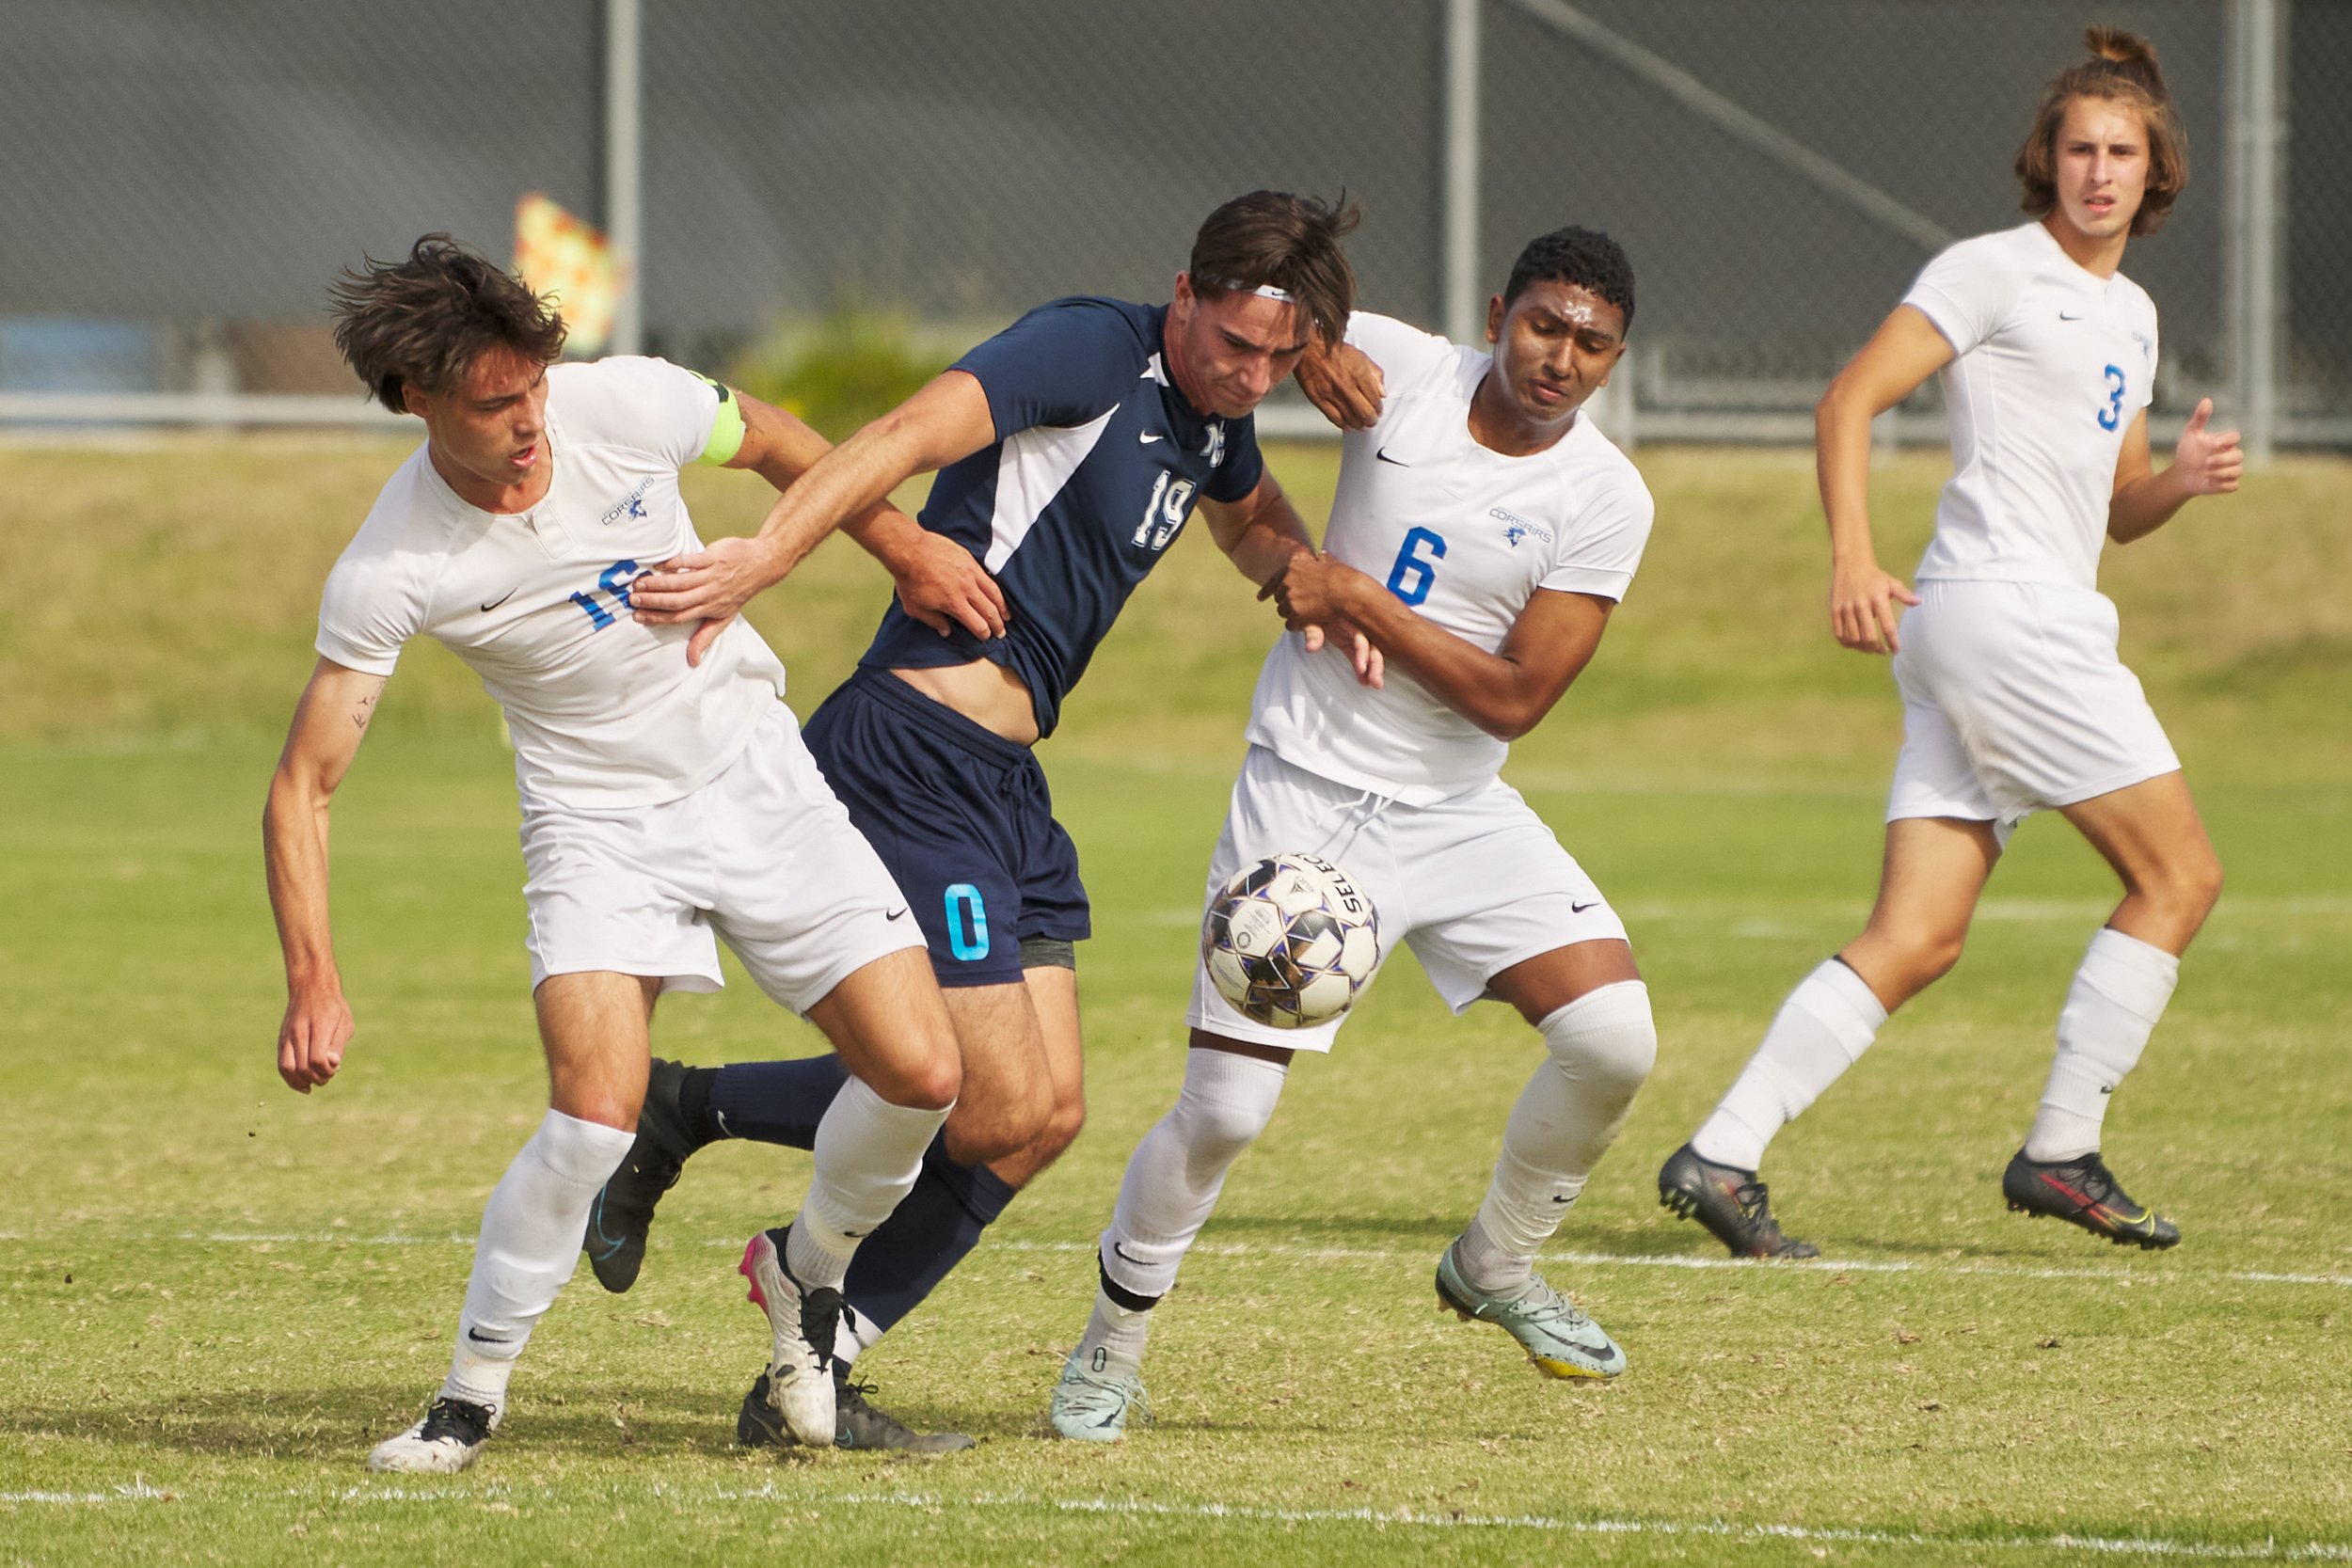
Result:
pixel 2013 698
pixel 663 803
pixel 1481 532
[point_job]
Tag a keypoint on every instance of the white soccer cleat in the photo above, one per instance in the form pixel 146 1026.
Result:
pixel 800 1369
pixel 1092 1405
pixel 444 1443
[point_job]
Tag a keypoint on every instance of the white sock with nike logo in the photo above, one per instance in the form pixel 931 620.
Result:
pixel 1602 1046
pixel 529 1245
pixel 2113 1008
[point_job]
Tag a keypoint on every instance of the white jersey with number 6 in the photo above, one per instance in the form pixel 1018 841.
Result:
pixel 1462 534
pixel 605 713
pixel 2051 366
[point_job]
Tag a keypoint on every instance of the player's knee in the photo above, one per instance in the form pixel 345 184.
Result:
pixel 1606 1040
pixel 1926 957
pixel 2198 883
pixel 922 1079
pixel 1219 1127
pixel 1065 1118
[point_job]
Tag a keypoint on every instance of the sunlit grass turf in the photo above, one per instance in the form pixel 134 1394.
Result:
pixel 222 1293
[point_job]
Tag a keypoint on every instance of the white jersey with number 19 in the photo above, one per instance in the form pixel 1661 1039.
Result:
pixel 605 713
pixel 1462 534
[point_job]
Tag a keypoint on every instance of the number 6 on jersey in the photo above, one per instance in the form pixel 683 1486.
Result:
pixel 1414 572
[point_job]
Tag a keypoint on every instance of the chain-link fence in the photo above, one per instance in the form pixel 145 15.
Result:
pixel 181 181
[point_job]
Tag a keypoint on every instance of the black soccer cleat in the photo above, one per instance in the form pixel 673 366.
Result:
pixel 2082 1191
pixel 622 1215
pixel 856 1423
pixel 1730 1202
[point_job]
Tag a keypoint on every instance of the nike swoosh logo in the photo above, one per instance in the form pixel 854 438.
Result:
pixel 2072 316
pixel 1383 455
pixel 1588 904
pixel 481 1338
pixel 500 600
pixel 1148 437
pixel 1130 1257
pixel 899 914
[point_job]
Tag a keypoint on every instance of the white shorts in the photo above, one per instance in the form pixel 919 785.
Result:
pixel 762 857
pixel 2014 701
pixel 1472 884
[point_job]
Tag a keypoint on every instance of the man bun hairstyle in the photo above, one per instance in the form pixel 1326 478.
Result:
pixel 1274 240
pixel 424 321
pixel 1581 257
pixel 2121 70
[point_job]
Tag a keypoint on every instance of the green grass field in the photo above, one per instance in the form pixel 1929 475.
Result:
pixel 218 1294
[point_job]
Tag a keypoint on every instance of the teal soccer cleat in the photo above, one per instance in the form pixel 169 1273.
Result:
pixel 1556 1335
pixel 1092 1405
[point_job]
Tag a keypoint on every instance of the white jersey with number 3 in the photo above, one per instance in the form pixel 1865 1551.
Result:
pixel 2051 366
pixel 1462 534
pixel 605 713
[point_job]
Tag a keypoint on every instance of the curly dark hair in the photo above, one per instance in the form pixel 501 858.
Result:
pixel 1291 243
pixel 1582 257
pixel 423 322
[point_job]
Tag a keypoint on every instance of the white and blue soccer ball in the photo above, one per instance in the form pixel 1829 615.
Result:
pixel 1291 941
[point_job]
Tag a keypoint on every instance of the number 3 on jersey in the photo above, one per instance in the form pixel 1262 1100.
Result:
pixel 2112 415
pixel 1415 571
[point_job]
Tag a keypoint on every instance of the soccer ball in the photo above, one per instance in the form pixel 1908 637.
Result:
pixel 1291 941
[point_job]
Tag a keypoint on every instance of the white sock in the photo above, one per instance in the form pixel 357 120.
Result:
pixel 1113 1343
pixel 1822 1030
pixel 868 1153
pixel 2118 995
pixel 1177 1170
pixel 855 1335
pixel 529 1245
pixel 1602 1046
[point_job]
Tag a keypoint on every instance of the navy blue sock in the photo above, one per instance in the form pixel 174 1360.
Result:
pixel 932 1229
pixel 775 1102
pixel 927 1235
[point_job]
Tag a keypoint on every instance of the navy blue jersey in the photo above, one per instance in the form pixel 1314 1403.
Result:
pixel 1097 463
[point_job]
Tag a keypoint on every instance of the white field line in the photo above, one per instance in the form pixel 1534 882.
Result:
pixel 1314 1254
pixel 1379 1519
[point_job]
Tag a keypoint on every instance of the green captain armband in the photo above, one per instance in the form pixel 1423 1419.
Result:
pixel 727 429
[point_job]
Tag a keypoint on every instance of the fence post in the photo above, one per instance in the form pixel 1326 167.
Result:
pixel 1458 280
pixel 624 147
pixel 2255 93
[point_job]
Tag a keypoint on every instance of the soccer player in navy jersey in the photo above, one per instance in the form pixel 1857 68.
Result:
pixel 1072 448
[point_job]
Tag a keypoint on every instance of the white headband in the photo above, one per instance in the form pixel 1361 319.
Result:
pixel 1267 290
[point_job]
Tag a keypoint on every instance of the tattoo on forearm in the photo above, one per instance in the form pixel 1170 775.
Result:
pixel 363 711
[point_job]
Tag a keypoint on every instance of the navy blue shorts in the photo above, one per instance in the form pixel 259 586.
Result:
pixel 962 818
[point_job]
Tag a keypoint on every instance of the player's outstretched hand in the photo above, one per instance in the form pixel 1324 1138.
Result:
pixel 1862 601
pixel 310 1040
pixel 940 585
pixel 709 585
pixel 2210 462
pixel 1344 384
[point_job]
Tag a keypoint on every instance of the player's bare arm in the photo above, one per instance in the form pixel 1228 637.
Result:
pixel 938 581
pixel 1506 693
pixel 1263 534
pixel 1903 353
pixel 948 419
pixel 2205 462
pixel 1343 382
pixel 329 722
